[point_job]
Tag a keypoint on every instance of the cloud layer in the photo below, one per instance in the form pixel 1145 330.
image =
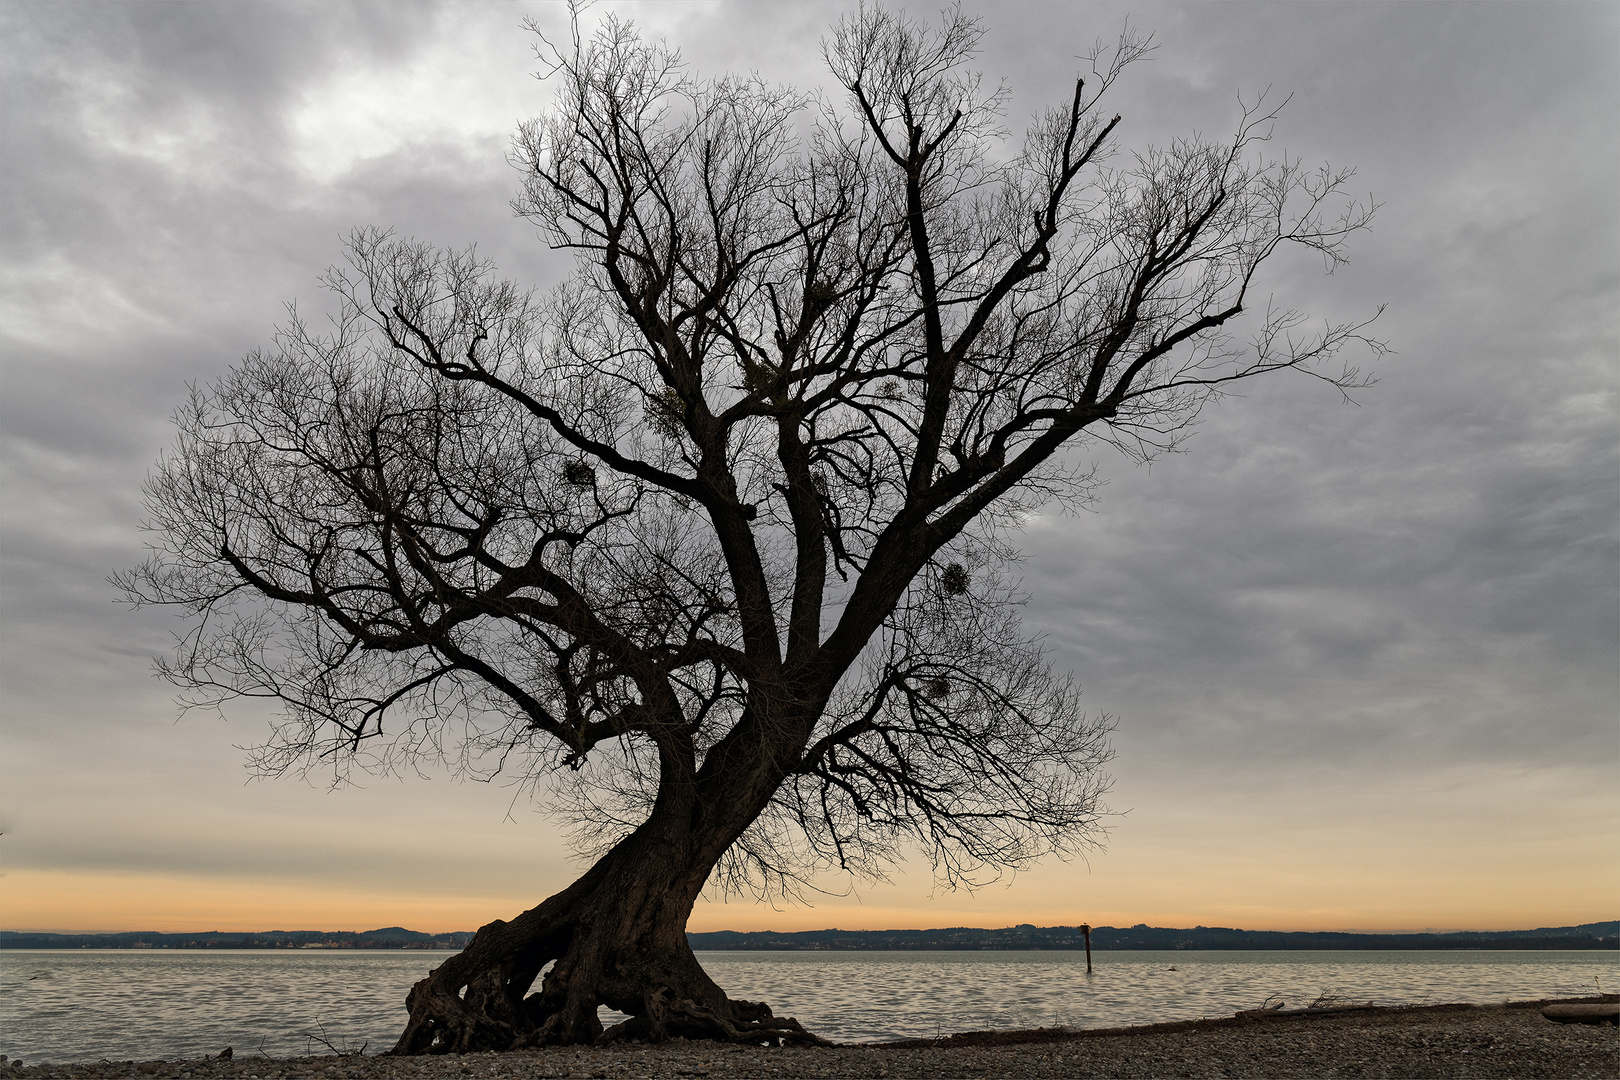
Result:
pixel 1386 630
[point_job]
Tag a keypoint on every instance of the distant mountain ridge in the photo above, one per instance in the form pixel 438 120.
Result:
pixel 1599 935
pixel 389 937
pixel 1602 935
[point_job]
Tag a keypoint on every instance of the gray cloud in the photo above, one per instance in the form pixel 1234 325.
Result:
pixel 1431 574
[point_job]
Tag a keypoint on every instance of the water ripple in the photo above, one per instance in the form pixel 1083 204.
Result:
pixel 84 1005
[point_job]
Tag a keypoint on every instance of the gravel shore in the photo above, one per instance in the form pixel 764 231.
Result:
pixel 1440 1041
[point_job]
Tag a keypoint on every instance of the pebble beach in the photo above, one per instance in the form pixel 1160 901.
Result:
pixel 1512 1040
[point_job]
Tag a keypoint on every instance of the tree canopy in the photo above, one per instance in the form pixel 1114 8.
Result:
pixel 720 530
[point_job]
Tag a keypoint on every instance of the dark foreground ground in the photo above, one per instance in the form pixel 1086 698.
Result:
pixel 1438 1041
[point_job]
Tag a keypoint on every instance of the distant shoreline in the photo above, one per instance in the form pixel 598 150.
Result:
pixel 1588 936
pixel 1605 935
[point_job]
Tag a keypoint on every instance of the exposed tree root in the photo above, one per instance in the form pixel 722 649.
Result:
pixel 738 1022
pixel 479 999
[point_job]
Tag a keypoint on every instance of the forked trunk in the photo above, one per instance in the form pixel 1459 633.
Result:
pixel 616 937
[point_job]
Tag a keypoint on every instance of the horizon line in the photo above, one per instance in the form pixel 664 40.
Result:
pixel 841 930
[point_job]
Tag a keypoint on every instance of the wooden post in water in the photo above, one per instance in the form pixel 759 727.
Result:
pixel 1085 932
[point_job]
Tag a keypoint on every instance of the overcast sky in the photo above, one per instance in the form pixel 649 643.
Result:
pixel 1363 657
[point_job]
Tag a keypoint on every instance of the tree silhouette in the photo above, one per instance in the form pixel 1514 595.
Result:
pixel 710 541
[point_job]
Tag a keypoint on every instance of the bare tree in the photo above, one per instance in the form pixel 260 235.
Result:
pixel 711 541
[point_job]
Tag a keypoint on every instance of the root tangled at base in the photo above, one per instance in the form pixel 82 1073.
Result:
pixel 753 1022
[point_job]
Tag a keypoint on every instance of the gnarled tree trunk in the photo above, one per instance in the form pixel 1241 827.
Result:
pixel 616 937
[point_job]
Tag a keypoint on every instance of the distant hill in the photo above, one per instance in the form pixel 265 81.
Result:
pixel 1601 935
pixel 1604 935
pixel 389 937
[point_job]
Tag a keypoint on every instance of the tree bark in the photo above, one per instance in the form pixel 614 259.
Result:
pixel 616 937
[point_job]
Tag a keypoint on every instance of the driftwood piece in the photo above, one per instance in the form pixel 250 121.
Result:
pixel 1606 1013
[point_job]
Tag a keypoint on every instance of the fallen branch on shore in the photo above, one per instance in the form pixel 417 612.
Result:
pixel 1604 1012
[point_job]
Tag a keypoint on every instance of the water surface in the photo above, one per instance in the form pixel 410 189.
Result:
pixel 89 1004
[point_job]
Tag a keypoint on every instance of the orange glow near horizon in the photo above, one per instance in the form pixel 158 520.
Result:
pixel 59 902
pixel 54 902
pixel 1210 855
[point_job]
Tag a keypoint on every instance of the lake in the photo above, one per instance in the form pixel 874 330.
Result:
pixel 89 1004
